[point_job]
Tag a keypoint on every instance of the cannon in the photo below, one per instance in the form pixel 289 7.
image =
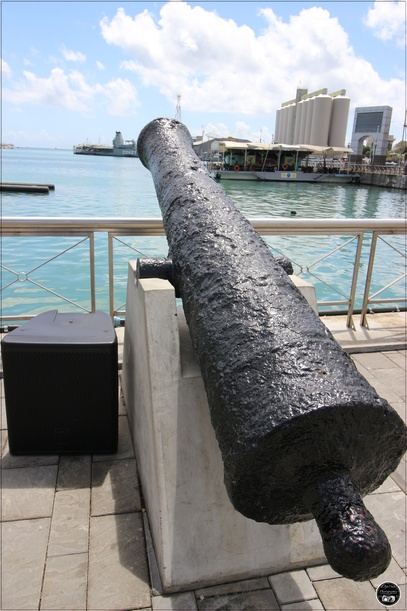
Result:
pixel 302 434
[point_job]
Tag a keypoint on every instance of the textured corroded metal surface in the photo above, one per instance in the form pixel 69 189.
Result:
pixel 293 417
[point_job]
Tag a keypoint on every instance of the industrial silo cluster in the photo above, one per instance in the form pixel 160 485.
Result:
pixel 318 119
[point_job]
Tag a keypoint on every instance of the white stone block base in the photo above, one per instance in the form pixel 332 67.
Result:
pixel 308 291
pixel 199 538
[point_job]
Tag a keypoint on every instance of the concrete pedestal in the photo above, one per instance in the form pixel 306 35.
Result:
pixel 199 538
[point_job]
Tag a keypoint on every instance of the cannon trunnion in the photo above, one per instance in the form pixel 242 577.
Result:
pixel 301 432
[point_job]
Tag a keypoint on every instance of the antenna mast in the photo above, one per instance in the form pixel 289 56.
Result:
pixel 178 109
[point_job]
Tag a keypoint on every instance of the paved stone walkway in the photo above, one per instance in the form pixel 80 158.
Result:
pixel 74 533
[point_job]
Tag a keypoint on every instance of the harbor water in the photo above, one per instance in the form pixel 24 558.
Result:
pixel 99 187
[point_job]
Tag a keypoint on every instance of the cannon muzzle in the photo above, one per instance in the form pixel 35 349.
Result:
pixel 301 432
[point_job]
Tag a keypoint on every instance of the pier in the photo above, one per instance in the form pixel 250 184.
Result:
pixel 22 187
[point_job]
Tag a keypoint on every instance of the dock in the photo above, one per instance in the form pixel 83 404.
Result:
pixel 23 187
pixel 76 535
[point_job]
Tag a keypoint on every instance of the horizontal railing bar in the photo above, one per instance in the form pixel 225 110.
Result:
pixel 332 303
pixel 326 226
pixel 154 226
pixel 393 300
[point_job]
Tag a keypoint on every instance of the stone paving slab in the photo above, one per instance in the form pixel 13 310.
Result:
pixel 74 472
pixel 28 493
pixel 398 357
pixel 342 593
pixel 391 377
pixel 118 572
pixel 400 475
pixel 177 602
pixel 400 407
pixel 385 391
pixel 115 487
pixel 375 361
pixel 23 546
pixel 389 511
pixel 393 573
pixel 291 587
pixel 70 523
pixel 384 331
pixel 323 571
pixel 65 583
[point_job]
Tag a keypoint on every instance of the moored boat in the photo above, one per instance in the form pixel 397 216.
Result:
pixel 119 148
pixel 233 160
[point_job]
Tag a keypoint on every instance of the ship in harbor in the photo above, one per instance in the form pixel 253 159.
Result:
pixel 119 148
pixel 233 160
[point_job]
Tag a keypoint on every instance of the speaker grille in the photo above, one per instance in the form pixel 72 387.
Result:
pixel 61 399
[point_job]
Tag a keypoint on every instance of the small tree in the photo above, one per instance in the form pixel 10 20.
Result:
pixel 399 150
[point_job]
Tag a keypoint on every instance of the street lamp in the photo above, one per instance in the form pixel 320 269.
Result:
pixel 375 144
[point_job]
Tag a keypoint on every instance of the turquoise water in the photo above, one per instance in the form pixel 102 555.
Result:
pixel 97 187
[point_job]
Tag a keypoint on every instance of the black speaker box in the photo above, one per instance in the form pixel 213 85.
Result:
pixel 61 384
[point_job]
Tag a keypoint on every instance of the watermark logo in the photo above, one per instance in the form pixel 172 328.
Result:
pixel 388 594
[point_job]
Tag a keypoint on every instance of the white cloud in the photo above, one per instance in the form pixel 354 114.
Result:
pixel 73 56
pixel 30 138
pixel 237 129
pixel 59 89
pixel 100 66
pixel 217 65
pixel 214 130
pixel 71 91
pixel 190 50
pixel 5 68
pixel 121 97
pixel 387 19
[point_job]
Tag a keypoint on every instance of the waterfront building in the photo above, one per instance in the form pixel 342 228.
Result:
pixel 371 123
pixel 318 119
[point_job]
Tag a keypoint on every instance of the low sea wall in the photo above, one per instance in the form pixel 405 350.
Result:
pixel 395 181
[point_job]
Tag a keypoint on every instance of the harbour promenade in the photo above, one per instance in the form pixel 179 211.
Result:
pixel 75 531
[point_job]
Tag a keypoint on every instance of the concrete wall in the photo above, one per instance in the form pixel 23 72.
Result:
pixel 396 181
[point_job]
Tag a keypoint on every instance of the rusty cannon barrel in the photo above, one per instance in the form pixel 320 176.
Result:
pixel 301 432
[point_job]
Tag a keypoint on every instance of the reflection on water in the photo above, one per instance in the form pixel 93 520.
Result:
pixel 315 201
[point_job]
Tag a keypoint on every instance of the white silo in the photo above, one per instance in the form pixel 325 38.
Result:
pixel 303 124
pixel 308 125
pixel 339 121
pixel 281 130
pixel 321 119
pixel 278 126
pixel 298 116
pixel 290 124
pixel 284 115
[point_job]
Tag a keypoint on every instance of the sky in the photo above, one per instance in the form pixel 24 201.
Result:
pixel 75 72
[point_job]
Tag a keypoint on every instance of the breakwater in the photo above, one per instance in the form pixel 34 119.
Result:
pixel 23 187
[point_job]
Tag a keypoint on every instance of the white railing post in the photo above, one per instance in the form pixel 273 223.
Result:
pixel 368 279
pixel 349 320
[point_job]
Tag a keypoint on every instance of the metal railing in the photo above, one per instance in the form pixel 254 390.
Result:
pixel 349 167
pixel 116 229
pixel 364 168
